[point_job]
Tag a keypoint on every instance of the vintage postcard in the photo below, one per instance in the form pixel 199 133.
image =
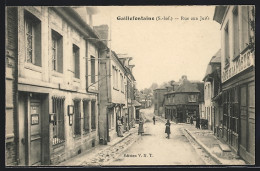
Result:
pixel 97 86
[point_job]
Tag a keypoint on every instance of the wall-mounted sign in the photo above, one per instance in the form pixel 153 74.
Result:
pixel 70 110
pixel 34 119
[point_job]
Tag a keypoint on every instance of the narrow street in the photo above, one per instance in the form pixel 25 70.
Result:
pixel 153 148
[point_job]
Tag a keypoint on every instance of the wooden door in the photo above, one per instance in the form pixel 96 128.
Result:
pixel 35 133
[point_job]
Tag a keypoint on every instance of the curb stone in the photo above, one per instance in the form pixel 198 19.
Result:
pixel 206 149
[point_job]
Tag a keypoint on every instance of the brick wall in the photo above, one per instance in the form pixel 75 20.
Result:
pixel 11 78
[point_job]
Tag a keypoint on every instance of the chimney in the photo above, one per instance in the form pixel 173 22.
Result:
pixel 172 84
pixel 91 11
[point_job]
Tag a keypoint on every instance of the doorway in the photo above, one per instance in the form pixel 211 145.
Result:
pixel 33 119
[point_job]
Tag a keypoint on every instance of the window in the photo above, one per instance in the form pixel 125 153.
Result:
pixel 93 115
pixel 226 45
pixel 192 98
pixel 32 39
pixel 236 32
pixel 75 64
pixel 58 124
pixel 86 116
pixel 116 79
pixel 155 106
pixel 122 82
pixel 77 126
pixel 245 31
pixel 93 72
pixel 57 56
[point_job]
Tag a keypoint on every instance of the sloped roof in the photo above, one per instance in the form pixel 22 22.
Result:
pixel 187 87
pixel 217 57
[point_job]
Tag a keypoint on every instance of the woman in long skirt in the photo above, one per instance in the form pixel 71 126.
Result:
pixel 120 131
pixel 141 127
pixel 167 129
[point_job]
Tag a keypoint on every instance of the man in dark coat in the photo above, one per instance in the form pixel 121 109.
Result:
pixel 191 120
pixel 167 129
pixel 154 120
pixel 198 123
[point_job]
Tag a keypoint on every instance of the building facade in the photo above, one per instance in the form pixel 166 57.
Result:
pixel 113 96
pixel 238 78
pixel 158 96
pixel 57 90
pixel 211 89
pixel 183 102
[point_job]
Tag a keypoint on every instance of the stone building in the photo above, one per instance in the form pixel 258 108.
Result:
pixel 183 102
pixel 238 78
pixel 53 113
pixel 211 89
pixel 113 99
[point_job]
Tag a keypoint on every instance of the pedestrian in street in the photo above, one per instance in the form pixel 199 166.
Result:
pixel 120 131
pixel 198 122
pixel 191 120
pixel 141 126
pixel 154 120
pixel 167 129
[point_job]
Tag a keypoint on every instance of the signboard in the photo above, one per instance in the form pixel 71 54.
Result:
pixel 34 119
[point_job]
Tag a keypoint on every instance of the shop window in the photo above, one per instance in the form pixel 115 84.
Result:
pixel 75 65
pixel 32 39
pixel 77 118
pixel 57 54
pixel 93 115
pixel 86 116
pixel 58 124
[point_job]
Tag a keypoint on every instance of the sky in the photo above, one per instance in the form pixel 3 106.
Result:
pixel 163 50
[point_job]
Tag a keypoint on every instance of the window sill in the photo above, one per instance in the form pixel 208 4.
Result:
pixel 77 136
pixel 58 144
pixel 115 89
pixel 33 67
pixel 56 73
pixel 77 80
pixel 93 130
pixel 235 58
pixel 86 133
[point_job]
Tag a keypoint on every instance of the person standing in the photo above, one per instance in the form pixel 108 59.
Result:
pixel 120 131
pixel 154 120
pixel 198 122
pixel 191 120
pixel 167 129
pixel 141 126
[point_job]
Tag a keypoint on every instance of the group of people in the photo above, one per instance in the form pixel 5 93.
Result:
pixel 141 126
